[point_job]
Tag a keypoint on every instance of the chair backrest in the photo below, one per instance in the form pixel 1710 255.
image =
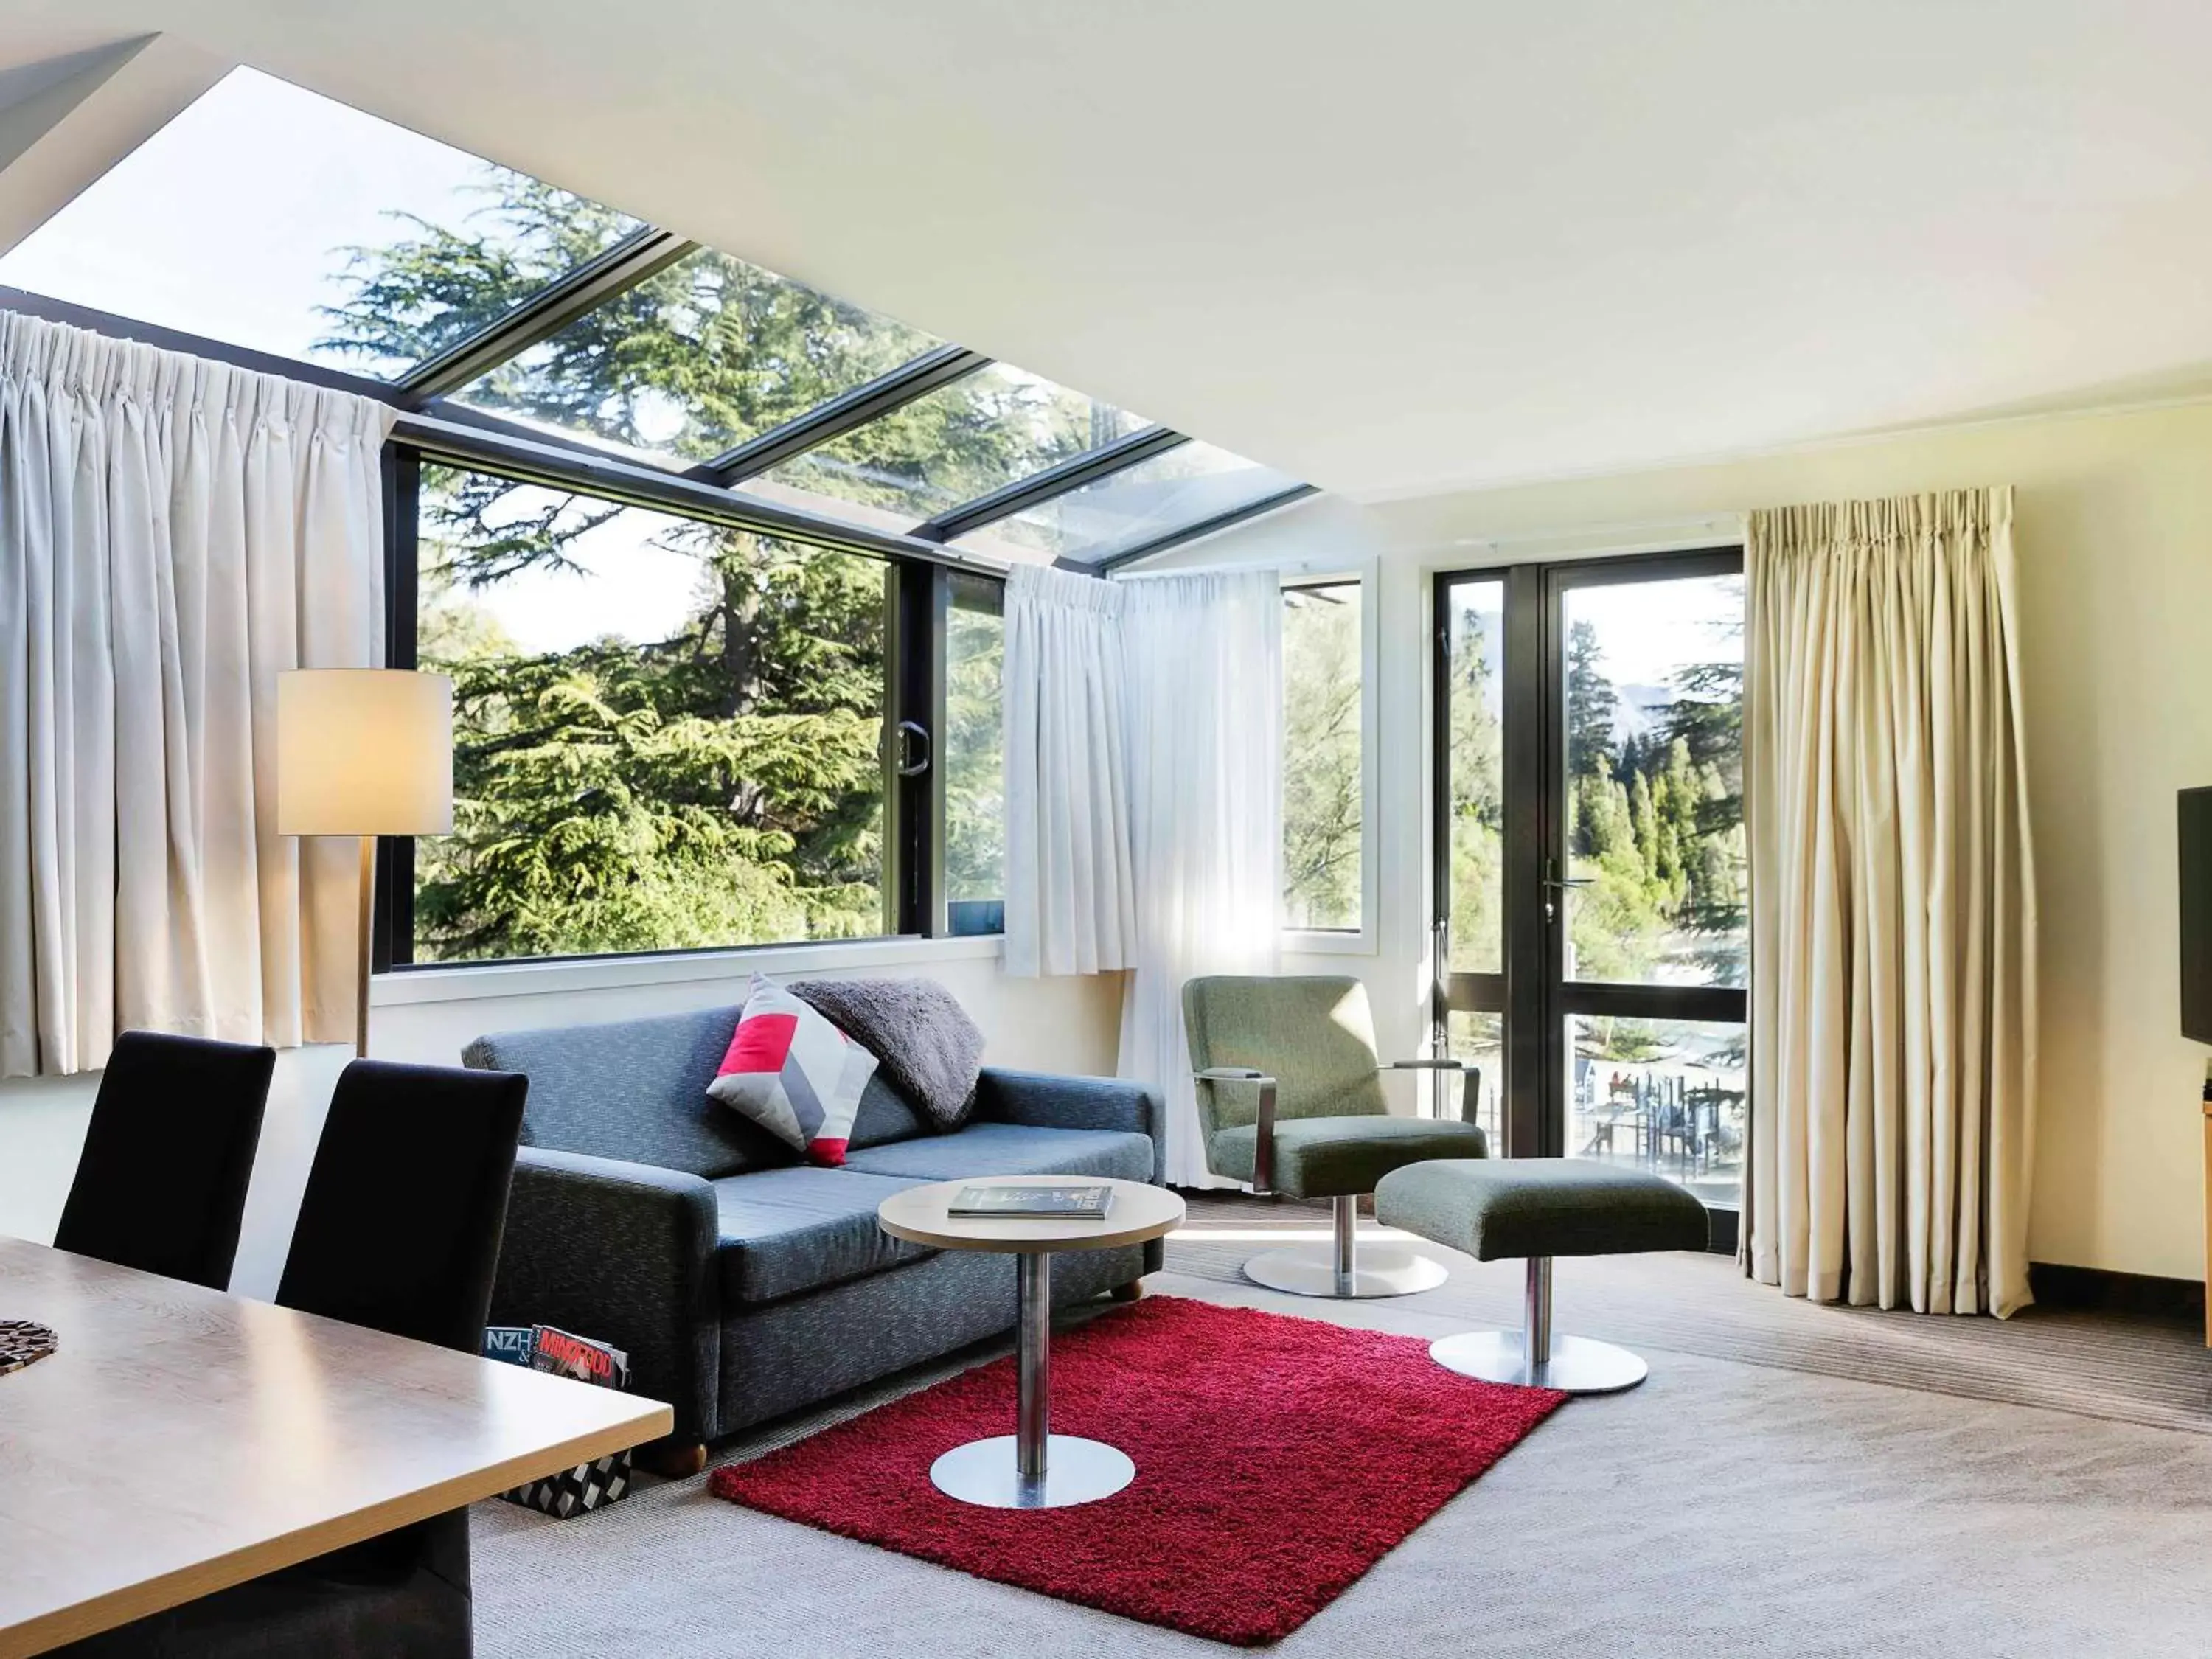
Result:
pixel 400 1224
pixel 161 1184
pixel 1314 1035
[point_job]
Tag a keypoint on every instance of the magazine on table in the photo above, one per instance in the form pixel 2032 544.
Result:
pixel 1058 1200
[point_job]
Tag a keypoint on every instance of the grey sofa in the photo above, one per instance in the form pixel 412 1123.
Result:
pixel 743 1282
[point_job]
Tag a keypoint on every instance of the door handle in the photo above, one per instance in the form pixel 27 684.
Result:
pixel 913 748
pixel 1555 885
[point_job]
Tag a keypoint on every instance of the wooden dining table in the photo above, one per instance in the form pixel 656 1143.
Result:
pixel 179 1441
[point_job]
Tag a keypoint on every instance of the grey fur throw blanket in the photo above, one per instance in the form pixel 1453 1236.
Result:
pixel 927 1048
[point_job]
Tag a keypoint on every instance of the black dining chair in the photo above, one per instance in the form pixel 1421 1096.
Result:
pixel 399 1230
pixel 161 1184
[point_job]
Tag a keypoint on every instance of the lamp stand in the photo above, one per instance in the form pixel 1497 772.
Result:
pixel 367 905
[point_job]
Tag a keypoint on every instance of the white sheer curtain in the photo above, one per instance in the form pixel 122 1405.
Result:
pixel 1894 981
pixel 1070 902
pixel 1204 668
pixel 172 533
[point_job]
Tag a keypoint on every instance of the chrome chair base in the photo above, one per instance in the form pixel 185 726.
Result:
pixel 1343 1268
pixel 1380 1270
pixel 1077 1471
pixel 1576 1365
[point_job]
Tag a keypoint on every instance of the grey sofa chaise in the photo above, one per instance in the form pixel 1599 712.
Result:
pixel 742 1282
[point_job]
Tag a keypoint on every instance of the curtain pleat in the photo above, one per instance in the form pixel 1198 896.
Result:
pixel 173 533
pixel 1893 991
pixel 1203 656
pixel 1070 892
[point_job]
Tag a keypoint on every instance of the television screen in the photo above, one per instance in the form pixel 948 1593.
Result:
pixel 2195 838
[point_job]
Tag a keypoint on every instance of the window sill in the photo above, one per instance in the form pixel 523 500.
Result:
pixel 1361 943
pixel 463 984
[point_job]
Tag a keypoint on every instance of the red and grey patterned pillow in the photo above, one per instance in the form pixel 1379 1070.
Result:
pixel 793 1073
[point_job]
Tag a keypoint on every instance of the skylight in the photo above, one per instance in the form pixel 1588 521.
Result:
pixel 982 432
pixel 266 218
pixel 1188 485
pixel 696 359
pixel 239 220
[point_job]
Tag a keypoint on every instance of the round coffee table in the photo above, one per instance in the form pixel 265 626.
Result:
pixel 1031 1468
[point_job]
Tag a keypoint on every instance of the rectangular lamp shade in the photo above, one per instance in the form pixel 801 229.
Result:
pixel 364 752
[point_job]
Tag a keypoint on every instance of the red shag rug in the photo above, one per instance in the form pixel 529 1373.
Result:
pixel 1277 1459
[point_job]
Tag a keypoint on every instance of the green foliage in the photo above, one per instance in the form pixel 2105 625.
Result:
pixel 1322 794
pixel 1477 806
pixel 594 811
pixel 972 756
pixel 434 286
pixel 1656 827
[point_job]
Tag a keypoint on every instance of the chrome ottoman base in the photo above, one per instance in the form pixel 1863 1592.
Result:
pixel 1533 1209
pixel 1533 1356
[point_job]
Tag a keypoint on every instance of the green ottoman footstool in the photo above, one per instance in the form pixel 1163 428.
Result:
pixel 1538 1207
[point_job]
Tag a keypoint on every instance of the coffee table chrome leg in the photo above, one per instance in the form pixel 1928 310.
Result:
pixel 1033 1364
pixel 1032 1468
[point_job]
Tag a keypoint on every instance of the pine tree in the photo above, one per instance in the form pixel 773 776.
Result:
pixel 1591 701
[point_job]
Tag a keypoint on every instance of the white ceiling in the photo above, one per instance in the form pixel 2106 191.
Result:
pixel 1394 248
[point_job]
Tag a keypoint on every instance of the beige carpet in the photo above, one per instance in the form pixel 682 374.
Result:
pixel 2133 1371
pixel 1791 1481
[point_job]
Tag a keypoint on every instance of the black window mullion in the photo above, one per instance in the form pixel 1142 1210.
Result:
pixel 643 253
pixel 1533 1128
pixel 1039 487
pixel 919 596
pixel 1191 533
pixel 391 917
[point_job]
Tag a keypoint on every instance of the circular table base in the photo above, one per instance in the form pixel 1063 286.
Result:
pixel 1577 1365
pixel 1310 1270
pixel 1077 1471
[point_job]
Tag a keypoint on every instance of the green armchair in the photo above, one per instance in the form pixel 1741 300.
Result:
pixel 1290 1099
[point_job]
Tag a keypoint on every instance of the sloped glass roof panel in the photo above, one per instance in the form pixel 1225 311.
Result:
pixel 964 440
pixel 1166 493
pixel 269 217
pixel 696 360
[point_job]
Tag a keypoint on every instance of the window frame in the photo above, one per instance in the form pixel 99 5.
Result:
pixel 1366 939
pixel 917 598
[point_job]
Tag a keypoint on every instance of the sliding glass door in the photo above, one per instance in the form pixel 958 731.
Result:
pixel 1591 861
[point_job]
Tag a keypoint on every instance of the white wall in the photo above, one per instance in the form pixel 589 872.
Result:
pixel 2114 534
pixel 1049 1025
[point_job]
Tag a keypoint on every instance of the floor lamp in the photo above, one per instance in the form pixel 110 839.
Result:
pixel 364 753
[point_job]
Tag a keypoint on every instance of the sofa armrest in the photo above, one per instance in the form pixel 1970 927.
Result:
pixel 1050 1100
pixel 624 1254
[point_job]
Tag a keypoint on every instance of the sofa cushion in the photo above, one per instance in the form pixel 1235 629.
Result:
pixel 787 1231
pixel 791 1071
pixel 1495 1207
pixel 1331 1156
pixel 634 1089
pixel 1011 1149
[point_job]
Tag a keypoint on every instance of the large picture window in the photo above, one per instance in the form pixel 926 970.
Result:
pixel 1324 792
pixel 668 732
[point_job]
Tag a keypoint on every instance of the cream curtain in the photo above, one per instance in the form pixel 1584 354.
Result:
pixel 1070 892
pixel 172 533
pixel 1203 657
pixel 1892 913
